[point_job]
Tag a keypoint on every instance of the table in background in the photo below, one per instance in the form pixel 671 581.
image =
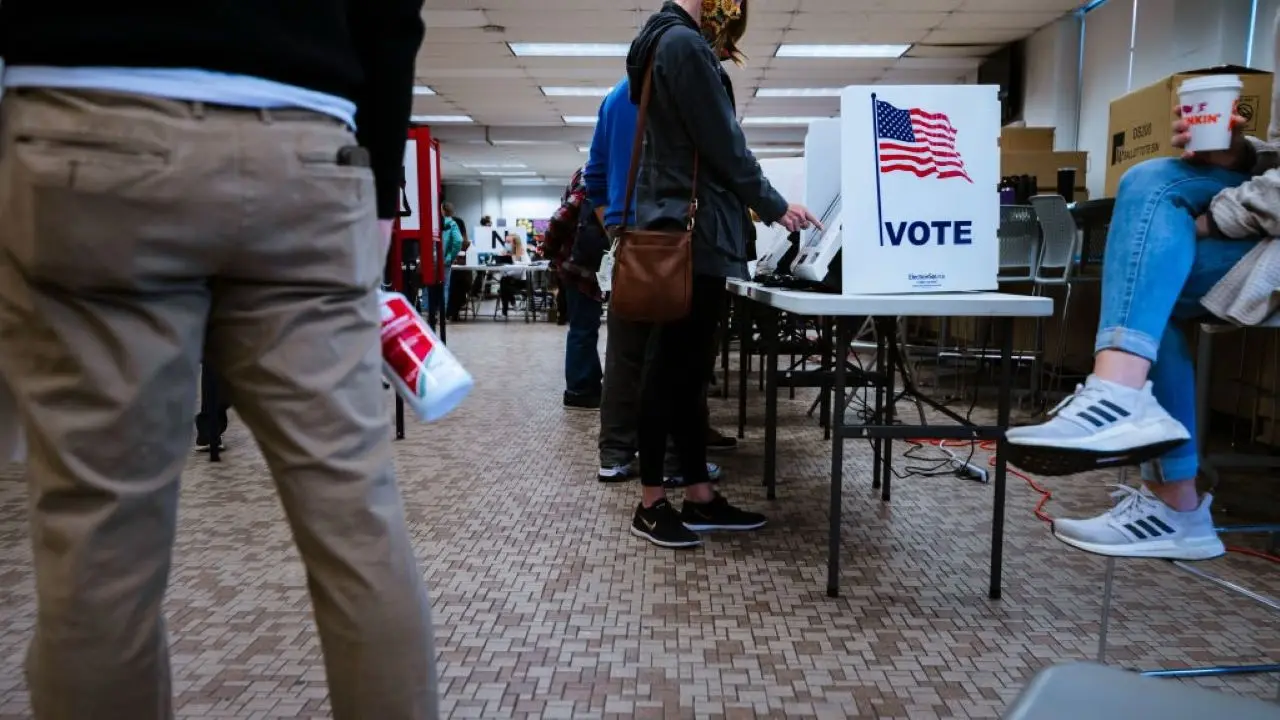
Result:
pixel 529 271
pixel 885 310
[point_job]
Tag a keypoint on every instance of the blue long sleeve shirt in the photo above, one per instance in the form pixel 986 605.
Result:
pixel 610 156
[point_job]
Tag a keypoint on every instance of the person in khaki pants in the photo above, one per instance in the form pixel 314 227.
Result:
pixel 159 189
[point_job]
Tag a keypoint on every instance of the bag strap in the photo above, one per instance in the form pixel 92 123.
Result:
pixel 637 145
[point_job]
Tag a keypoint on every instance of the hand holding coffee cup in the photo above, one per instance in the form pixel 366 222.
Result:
pixel 1206 112
pixel 1225 158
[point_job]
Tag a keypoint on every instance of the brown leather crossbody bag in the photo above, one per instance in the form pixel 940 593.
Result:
pixel 653 269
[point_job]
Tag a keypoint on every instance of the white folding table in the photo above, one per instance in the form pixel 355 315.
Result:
pixel 849 311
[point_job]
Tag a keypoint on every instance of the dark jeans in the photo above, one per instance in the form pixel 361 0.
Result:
pixel 508 287
pixel 211 421
pixel 459 290
pixel 673 393
pixel 582 371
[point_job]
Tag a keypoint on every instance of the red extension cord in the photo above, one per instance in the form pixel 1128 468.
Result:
pixel 1045 496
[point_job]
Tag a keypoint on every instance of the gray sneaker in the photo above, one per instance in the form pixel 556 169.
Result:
pixel 1101 425
pixel 1142 526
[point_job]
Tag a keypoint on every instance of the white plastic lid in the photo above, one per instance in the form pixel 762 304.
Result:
pixel 1211 82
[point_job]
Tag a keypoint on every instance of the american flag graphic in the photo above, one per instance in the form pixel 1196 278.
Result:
pixel 918 142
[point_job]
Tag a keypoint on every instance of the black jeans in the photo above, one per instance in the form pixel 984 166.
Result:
pixel 672 395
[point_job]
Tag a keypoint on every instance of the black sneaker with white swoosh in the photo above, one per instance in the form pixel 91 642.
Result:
pixel 719 515
pixel 660 525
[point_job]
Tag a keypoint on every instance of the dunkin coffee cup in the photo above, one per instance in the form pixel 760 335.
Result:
pixel 1208 102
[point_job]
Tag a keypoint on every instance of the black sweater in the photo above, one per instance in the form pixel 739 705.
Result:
pixel 362 50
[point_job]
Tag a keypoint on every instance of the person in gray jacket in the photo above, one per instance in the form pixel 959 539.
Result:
pixel 691 113
pixel 1179 227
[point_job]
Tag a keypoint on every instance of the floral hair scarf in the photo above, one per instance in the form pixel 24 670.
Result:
pixel 717 16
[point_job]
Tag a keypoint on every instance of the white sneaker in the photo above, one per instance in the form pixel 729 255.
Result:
pixel 615 473
pixel 1101 425
pixel 1142 526
pixel 713 473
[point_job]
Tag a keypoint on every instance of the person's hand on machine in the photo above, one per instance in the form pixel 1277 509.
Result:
pixel 1231 159
pixel 798 217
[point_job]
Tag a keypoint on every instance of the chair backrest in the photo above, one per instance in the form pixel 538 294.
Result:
pixel 1060 237
pixel 1019 236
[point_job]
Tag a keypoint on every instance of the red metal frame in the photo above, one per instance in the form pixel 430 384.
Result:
pixel 427 206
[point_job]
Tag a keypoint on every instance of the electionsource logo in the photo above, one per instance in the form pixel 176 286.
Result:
pixel 926 279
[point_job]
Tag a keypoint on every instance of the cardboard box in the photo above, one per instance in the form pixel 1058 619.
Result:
pixel 1044 166
pixel 1141 122
pixel 1026 139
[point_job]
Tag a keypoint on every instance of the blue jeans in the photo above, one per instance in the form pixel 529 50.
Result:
pixel 582 372
pixel 1154 273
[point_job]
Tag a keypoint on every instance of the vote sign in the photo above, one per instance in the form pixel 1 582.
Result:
pixel 920 166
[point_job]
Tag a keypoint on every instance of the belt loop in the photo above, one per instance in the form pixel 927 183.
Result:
pixel 265 114
pixel 197 110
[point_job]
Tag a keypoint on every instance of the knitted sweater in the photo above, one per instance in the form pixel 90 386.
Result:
pixel 1250 293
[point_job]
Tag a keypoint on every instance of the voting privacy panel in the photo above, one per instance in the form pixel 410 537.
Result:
pixel 916 202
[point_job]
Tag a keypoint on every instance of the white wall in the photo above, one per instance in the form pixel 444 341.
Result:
pixel 471 202
pixel 1052 91
pixel 1104 77
pixel 1129 44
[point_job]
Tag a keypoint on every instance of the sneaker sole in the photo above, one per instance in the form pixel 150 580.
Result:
pixel 1057 461
pixel 697 527
pixel 613 479
pixel 580 408
pixel 1115 440
pixel 1153 550
pixel 664 543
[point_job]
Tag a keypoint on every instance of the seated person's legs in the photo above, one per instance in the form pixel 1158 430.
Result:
pixel 1139 402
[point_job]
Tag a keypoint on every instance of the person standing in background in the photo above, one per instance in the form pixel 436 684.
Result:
pixel 456 292
pixel 574 232
pixel 692 115
pixel 171 172
pixel 451 241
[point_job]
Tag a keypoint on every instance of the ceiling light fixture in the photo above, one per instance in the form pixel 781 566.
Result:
pixel 575 91
pixel 493 166
pixel 569 49
pixel 584 148
pixel 580 119
pixel 791 50
pixel 423 90
pixel 508 173
pixel 429 119
pixel 799 92
pixel 781 120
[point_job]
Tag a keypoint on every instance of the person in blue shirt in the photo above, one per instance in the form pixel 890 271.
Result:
pixel 627 343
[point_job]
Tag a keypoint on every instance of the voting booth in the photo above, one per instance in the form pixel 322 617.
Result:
pixel 920 166
pixel 787 175
pixel 416 255
pixel 820 248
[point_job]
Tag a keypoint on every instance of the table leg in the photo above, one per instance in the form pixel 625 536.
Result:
pixel 837 460
pixel 826 350
pixel 399 417
pixel 877 444
pixel 209 406
pixel 1002 420
pixel 769 334
pixel 886 454
pixel 743 320
pixel 530 313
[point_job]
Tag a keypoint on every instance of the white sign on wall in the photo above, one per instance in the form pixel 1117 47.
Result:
pixel 920 167
pixel 413 221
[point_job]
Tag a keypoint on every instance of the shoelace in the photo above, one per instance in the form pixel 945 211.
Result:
pixel 1131 503
pixel 1085 393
